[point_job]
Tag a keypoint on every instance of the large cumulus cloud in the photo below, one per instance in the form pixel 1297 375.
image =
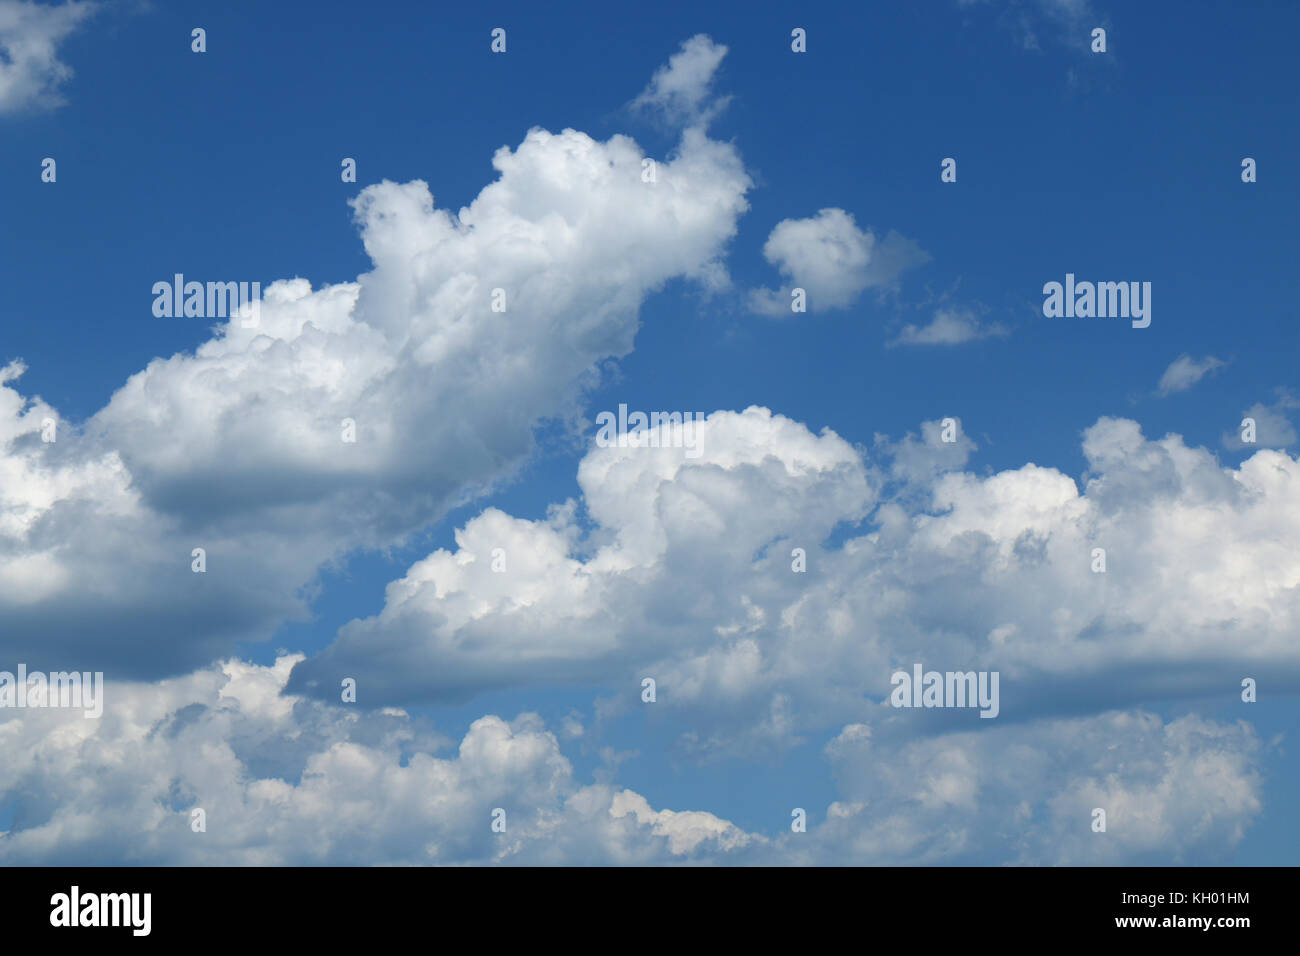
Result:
pixel 237 448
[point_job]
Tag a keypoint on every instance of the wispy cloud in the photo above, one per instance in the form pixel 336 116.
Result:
pixel 681 90
pixel 1185 371
pixel 949 327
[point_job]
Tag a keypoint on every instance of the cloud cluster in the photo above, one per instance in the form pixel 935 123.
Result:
pixel 770 585
pixel 1178 792
pixel 687 576
pixel 291 782
pixel 281 780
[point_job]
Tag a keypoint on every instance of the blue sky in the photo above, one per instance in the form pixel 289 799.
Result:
pixel 1115 166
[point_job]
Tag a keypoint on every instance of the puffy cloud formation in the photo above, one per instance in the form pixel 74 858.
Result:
pixel 832 260
pixel 287 781
pixel 452 625
pixel 688 575
pixel 238 448
pixel 31 72
pixel 291 782
pixel 1185 371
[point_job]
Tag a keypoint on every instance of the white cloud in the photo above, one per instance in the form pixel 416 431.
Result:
pixel 832 260
pixel 1185 371
pixel 31 72
pixel 452 625
pixel 687 576
pixel 237 447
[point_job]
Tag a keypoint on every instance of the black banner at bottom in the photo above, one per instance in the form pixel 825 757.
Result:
pixel 1221 906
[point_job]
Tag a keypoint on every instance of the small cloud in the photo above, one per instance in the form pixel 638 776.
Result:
pixel 571 726
pixel 833 261
pixel 1273 429
pixel 682 90
pixel 916 463
pixel 949 327
pixel 1185 371
pixel 30 70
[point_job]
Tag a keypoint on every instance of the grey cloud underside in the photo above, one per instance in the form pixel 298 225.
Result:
pixel 290 781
